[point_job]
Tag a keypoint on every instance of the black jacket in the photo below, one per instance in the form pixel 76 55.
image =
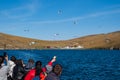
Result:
pixel 18 72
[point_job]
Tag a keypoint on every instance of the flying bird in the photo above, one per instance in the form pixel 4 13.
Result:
pixel 59 11
pixel 26 30
pixel 56 34
pixel 75 22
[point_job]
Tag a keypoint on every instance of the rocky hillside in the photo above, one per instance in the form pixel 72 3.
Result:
pixel 104 41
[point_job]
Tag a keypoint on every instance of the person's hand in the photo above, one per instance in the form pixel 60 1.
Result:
pixel 54 59
pixel 6 57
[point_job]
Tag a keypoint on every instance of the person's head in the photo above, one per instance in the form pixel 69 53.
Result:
pixel 13 58
pixel 1 60
pixel 19 62
pixel 31 61
pixel 30 64
pixel 38 68
pixel 57 69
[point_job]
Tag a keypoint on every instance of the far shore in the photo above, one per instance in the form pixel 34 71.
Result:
pixel 66 49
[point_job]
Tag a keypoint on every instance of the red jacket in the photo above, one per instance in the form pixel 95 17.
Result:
pixel 31 74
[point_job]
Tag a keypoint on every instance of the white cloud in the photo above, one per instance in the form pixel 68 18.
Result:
pixel 97 14
pixel 21 11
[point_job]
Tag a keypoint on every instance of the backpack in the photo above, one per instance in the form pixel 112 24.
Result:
pixel 36 78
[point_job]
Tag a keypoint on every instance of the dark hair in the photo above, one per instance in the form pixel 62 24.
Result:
pixel 13 58
pixel 57 69
pixel 1 60
pixel 38 68
pixel 19 62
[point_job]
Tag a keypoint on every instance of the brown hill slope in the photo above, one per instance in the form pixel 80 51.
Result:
pixel 100 41
pixel 92 41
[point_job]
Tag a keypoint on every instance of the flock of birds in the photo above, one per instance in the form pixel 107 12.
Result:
pixel 60 12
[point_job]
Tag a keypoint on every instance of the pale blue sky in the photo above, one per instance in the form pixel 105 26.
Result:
pixel 59 19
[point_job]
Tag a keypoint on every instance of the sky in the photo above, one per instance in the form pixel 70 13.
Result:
pixel 59 19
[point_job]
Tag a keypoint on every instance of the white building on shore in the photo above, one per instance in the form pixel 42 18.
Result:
pixel 77 47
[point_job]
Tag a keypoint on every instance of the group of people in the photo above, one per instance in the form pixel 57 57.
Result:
pixel 15 69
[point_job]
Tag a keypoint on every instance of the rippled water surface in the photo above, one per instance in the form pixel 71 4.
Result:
pixel 78 64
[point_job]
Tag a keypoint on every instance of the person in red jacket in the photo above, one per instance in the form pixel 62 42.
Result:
pixel 38 70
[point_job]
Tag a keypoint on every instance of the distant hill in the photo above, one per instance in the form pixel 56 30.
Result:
pixel 98 41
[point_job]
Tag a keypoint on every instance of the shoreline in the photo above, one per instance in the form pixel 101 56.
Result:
pixel 67 49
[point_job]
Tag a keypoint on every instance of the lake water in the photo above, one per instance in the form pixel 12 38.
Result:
pixel 77 64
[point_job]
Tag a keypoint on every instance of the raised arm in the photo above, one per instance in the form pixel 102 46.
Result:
pixel 48 67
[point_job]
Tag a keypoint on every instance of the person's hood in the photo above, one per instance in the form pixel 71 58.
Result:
pixel 11 62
